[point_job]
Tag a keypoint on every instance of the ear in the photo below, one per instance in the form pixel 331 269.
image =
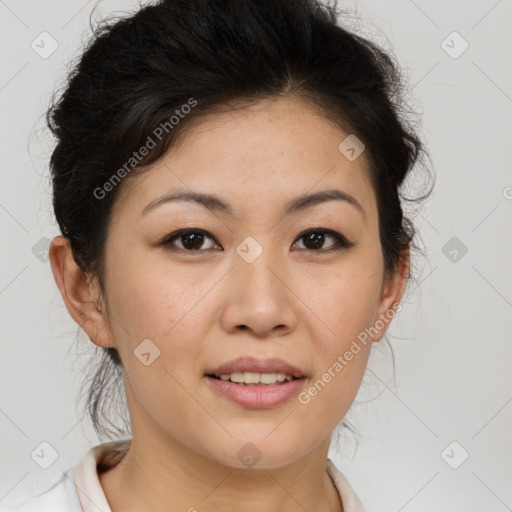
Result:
pixel 81 293
pixel 391 295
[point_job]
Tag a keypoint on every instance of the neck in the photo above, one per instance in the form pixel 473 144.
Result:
pixel 169 476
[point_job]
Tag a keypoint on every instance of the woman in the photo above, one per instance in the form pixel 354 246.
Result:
pixel 227 180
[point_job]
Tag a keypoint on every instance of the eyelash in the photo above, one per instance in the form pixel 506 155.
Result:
pixel 341 242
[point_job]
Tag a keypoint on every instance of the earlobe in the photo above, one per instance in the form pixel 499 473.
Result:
pixel 392 292
pixel 81 294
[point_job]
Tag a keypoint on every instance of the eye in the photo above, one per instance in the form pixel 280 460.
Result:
pixel 315 238
pixel 191 240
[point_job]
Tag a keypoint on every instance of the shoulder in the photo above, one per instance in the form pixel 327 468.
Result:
pixel 86 475
pixel 350 500
pixel 59 496
pixel 76 488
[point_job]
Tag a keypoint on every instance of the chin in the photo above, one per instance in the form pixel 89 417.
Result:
pixel 261 451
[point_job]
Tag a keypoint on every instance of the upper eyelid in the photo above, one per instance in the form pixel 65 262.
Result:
pixel 179 232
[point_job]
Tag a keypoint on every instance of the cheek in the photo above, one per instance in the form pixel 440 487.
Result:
pixel 162 304
pixel 165 308
pixel 152 293
pixel 346 297
pixel 346 301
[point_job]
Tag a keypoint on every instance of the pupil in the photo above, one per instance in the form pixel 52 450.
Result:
pixel 316 238
pixel 195 237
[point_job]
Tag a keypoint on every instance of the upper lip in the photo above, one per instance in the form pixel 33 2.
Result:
pixel 252 364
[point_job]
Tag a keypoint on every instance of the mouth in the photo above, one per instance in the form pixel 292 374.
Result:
pixel 255 383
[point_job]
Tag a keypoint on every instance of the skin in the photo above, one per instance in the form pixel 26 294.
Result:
pixel 206 308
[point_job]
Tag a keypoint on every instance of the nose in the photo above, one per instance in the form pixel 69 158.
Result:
pixel 258 298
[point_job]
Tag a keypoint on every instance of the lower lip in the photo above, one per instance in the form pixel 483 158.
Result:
pixel 257 396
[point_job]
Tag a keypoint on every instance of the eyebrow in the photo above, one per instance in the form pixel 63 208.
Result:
pixel 215 204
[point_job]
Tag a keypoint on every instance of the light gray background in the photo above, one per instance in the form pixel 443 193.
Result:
pixel 451 341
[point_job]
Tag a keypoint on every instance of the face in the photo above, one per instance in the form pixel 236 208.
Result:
pixel 205 284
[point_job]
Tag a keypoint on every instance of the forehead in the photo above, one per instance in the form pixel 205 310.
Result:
pixel 255 157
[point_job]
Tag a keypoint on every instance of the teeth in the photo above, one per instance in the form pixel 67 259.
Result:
pixel 256 378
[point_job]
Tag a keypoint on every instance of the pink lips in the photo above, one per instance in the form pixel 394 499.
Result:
pixel 257 396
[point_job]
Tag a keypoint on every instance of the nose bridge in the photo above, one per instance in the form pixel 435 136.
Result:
pixel 255 264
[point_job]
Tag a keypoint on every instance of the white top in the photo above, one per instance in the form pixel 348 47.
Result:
pixel 79 489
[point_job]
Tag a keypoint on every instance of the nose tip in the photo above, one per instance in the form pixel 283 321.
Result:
pixel 258 300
